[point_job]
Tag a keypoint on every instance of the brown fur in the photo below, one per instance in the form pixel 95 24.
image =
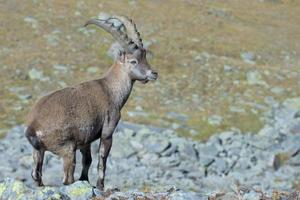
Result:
pixel 71 118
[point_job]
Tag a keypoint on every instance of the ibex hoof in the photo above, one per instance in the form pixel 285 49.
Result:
pixel 36 176
pixel 100 185
pixel 84 178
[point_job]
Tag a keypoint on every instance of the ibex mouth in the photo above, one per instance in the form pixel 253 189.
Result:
pixel 145 81
pixel 153 76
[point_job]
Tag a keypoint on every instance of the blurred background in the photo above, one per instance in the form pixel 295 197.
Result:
pixel 222 64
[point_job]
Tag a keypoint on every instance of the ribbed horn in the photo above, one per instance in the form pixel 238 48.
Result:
pixel 114 29
pixel 131 29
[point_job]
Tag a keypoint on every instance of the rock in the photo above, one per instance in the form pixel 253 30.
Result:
pixel 297 114
pixel 26 161
pixel 279 160
pixel 48 193
pixel 187 151
pixel 292 103
pixel 32 21
pixel 215 120
pixel 168 162
pixel 277 90
pixel 225 196
pixel 93 70
pixel 177 116
pixel 152 158
pixel 61 68
pixel 251 196
pixel 78 190
pixel 156 145
pixel 12 189
pixel 25 97
pixel 35 74
pixel 220 12
pixel 255 78
pixel 207 154
pixel 179 195
pixel 52 39
pixel 228 68
pixel 137 114
pixel 226 137
pixel 220 166
pixel 175 126
pixel 235 109
pixel 248 57
pixel 202 58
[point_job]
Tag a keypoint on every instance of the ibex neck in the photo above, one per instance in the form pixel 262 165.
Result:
pixel 119 85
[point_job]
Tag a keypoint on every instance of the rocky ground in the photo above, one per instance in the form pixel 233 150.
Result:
pixel 145 158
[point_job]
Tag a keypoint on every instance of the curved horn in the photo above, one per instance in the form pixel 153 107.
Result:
pixel 131 30
pixel 115 31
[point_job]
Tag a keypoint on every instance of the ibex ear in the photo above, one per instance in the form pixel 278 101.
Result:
pixel 121 56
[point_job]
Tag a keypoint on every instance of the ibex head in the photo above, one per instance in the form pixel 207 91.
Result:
pixel 132 56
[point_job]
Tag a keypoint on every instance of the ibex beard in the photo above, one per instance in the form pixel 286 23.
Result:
pixel 72 118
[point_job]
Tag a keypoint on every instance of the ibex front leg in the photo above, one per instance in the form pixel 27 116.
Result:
pixel 69 160
pixel 105 146
pixel 104 149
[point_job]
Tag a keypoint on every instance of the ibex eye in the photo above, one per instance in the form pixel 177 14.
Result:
pixel 134 62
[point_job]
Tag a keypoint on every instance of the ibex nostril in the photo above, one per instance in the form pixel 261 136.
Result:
pixel 154 73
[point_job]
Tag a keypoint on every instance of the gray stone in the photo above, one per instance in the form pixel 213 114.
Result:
pixel 78 190
pixel 172 161
pixel 11 189
pixel 52 39
pixel 137 114
pixel 187 151
pixel 32 21
pixel 208 150
pixel 221 12
pixel 151 157
pixel 61 68
pixel 157 145
pixel 255 78
pixel 235 109
pixel 35 74
pixel 177 116
pixel 215 120
pixel 224 196
pixel 93 70
pixel 179 195
pixel 277 90
pixel 228 68
pixel 248 57
pixel 292 103
pixel 251 196
pixel 226 137
pixel 220 166
pixel 47 193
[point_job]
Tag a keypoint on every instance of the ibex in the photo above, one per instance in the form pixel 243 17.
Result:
pixel 72 118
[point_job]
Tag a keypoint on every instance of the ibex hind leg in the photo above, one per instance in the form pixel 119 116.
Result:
pixel 38 157
pixel 86 162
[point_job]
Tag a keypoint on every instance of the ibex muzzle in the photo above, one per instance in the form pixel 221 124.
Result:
pixel 72 118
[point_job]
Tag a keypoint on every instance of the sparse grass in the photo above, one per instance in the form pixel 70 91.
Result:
pixel 182 30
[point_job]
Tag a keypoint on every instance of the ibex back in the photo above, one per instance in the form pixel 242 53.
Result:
pixel 73 117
